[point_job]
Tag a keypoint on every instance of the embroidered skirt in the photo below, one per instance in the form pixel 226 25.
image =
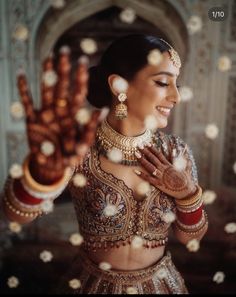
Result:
pixel 161 278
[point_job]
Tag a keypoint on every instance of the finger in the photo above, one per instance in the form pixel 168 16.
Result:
pixel 151 157
pixel 146 164
pixel 62 104
pixel 189 166
pixel 159 154
pixel 81 81
pixel 68 137
pixel 185 154
pixel 81 150
pixel 153 181
pixel 173 155
pixel 62 86
pixel 49 79
pixel 89 133
pixel 183 151
pixel 26 98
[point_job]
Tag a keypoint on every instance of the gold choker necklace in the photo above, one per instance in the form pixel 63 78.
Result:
pixel 107 139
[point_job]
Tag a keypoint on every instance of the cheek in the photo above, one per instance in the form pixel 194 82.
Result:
pixel 154 96
pixel 143 100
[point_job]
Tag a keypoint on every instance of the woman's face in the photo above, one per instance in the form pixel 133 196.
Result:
pixel 154 87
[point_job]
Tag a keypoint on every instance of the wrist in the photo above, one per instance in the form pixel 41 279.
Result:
pixel 190 199
pixel 44 189
pixel 191 193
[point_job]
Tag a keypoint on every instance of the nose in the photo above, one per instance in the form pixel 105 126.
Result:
pixel 174 95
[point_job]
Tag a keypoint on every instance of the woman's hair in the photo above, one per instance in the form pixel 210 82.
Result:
pixel 125 57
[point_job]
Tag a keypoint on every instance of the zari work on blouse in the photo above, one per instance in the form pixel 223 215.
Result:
pixel 143 218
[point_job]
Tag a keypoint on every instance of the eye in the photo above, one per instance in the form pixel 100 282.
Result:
pixel 160 83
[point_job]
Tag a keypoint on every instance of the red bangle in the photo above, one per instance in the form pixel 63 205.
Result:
pixel 22 195
pixel 190 218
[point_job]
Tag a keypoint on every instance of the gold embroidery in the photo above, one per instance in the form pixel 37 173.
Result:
pixel 100 231
pixel 160 278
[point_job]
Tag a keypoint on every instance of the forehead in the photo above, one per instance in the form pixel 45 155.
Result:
pixel 166 65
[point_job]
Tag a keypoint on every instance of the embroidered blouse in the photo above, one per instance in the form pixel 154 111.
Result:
pixel 145 218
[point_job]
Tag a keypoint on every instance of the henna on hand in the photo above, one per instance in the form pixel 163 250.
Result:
pixel 178 184
pixel 55 120
pixel 173 180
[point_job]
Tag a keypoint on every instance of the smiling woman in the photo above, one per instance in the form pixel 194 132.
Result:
pixel 144 185
pixel 132 183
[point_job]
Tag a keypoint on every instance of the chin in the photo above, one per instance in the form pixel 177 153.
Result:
pixel 162 123
pixel 162 126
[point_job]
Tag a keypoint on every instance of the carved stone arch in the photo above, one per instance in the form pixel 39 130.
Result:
pixel 162 14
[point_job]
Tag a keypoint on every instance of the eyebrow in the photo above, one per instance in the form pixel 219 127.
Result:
pixel 165 73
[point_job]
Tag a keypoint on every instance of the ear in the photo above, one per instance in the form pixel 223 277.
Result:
pixel 111 78
pixel 117 84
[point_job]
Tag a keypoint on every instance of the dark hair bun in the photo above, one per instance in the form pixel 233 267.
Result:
pixel 98 88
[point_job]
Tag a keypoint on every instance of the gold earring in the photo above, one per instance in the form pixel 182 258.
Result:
pixel 121 109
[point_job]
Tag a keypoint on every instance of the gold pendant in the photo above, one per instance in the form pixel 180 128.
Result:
pixel 121 111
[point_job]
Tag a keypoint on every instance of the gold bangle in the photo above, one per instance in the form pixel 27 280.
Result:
pixel 190 200
pixel 195 232
pixel 34 185
pixel 19 212
pixel 12 199
pixel 194 227
pixel 190 208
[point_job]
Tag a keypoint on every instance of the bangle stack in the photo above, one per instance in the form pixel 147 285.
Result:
pixel 39 188
pixel 191 204
pixel 14 206
pixel 16 202
pixel 191 218
pixel 192 207
pixel 23 197
pixel 193 227
pixel 194 232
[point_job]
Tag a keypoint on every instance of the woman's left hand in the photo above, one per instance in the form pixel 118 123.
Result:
pixel 163 174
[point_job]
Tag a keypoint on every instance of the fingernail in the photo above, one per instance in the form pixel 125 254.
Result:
pixel 145 143
pixel 65 50
pixel 83 60
pixel 148 144
pixel 140 146
pixel 138 155
pixel 137 172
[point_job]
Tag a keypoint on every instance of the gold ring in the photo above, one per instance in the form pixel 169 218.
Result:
pixel 155 172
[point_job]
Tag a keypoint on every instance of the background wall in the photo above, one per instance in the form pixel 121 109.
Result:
pixel 214 101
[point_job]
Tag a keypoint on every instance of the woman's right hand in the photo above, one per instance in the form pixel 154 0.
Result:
pixel 54 127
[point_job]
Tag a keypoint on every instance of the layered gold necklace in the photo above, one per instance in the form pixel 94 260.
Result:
pixel 107 139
